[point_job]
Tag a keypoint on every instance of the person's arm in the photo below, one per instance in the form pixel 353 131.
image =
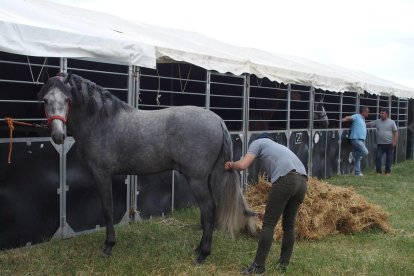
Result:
pixel 347 119
pixel 371 124
pixel 394 138
pixel 242 164
pixel 394 135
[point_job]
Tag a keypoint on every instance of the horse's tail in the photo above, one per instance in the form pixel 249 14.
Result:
pixel 232 212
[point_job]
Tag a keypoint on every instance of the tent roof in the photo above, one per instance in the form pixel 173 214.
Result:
pixel 41 28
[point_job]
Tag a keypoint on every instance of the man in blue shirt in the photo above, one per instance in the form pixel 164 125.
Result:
pixel 358 136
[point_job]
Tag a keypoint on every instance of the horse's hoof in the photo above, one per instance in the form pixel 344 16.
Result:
pixel 199 260
pixel 106 252
pixel 105 255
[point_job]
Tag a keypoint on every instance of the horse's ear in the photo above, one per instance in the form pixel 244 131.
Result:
pixel 67 78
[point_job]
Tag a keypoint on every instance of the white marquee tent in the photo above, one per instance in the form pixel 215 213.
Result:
pixel 42 28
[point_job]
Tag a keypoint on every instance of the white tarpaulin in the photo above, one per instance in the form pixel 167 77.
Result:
pixel 42 28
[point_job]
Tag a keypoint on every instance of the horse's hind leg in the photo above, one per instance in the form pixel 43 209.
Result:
pixel 205 202
pixel 104 185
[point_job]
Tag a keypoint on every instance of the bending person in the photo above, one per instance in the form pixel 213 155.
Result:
pixel 289 179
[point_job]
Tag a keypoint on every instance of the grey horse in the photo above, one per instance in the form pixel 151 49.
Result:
pixel 115 138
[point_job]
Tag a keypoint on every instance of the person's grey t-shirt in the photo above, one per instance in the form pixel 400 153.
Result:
pixel 385 128
pixel 277 159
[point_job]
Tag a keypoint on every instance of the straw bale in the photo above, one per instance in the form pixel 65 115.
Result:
pixel 326 210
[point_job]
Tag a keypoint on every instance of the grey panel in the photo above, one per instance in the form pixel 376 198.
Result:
pixel 318 154
pixel 332 152
pixel 84 210
pixel 29 203
pixel 347 164
pixel 402 145
pixel 299 144
pixel 368 162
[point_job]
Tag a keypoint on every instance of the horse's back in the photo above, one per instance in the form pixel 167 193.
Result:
pixel 188 138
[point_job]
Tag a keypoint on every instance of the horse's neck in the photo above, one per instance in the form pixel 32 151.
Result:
pixel 82 125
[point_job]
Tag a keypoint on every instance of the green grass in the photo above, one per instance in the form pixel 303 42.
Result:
pixel 165 246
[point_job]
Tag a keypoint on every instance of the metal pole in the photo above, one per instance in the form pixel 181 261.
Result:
pixel 357 103
pixel 310 127
pixel 208 87
pixel 172 191
pixel 246 103
pixel 63 187
pixel 341 102
pixel 137 78
pixel 64 230
pixel 289 93
pixel 378 105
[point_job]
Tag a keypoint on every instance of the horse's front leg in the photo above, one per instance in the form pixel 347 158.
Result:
pixel 104 184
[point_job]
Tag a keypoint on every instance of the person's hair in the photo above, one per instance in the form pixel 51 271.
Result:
pixel 362 108
pixel 384 110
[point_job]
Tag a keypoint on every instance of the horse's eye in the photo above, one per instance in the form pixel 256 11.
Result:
pixel 45 101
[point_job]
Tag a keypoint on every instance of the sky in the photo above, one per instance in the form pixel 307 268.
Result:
pixel 376 37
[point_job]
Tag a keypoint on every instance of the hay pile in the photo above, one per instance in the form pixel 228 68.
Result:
pixel 327 210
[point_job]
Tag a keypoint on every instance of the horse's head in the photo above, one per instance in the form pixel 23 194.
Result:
pixel 55 95
pixel 320 116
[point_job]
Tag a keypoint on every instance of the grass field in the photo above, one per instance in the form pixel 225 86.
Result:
pixel 165 246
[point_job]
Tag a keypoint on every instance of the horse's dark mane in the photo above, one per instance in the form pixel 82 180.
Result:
pixel 97 100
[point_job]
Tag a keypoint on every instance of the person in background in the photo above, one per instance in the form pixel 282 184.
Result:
pixel 289 187
pixel 387 135
pixel 358 136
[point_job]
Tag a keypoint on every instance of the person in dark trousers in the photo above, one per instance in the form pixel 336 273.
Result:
pixel 358 136
pixel 387 135
pixel 289 187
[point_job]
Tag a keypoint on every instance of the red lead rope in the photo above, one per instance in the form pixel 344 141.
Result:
pixel 11 122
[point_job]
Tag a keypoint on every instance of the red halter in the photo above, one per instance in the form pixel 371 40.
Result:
pixel 57 117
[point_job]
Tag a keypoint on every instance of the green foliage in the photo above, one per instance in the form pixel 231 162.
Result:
pixel 165 246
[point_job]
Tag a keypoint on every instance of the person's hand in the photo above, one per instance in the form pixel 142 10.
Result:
pixel 228 166
pixel 394 143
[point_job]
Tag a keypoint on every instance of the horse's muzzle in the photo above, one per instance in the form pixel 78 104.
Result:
pixel 58 138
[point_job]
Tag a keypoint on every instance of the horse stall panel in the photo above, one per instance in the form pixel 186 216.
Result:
pixel 373 104
pixel 299 115
pixel 255 169
pixel 327 107
pixel 84 209
pixel 299 144
pixel 29 203
pixel 227 98
pixel 171 84
pixel 332 153
pixel 319 154
pixel 21 78
pixel 401 145
pixel 349 107
pixel 368 162
pixel 346 160
pixel 113 78
pixel 268 105
pixel 159 194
